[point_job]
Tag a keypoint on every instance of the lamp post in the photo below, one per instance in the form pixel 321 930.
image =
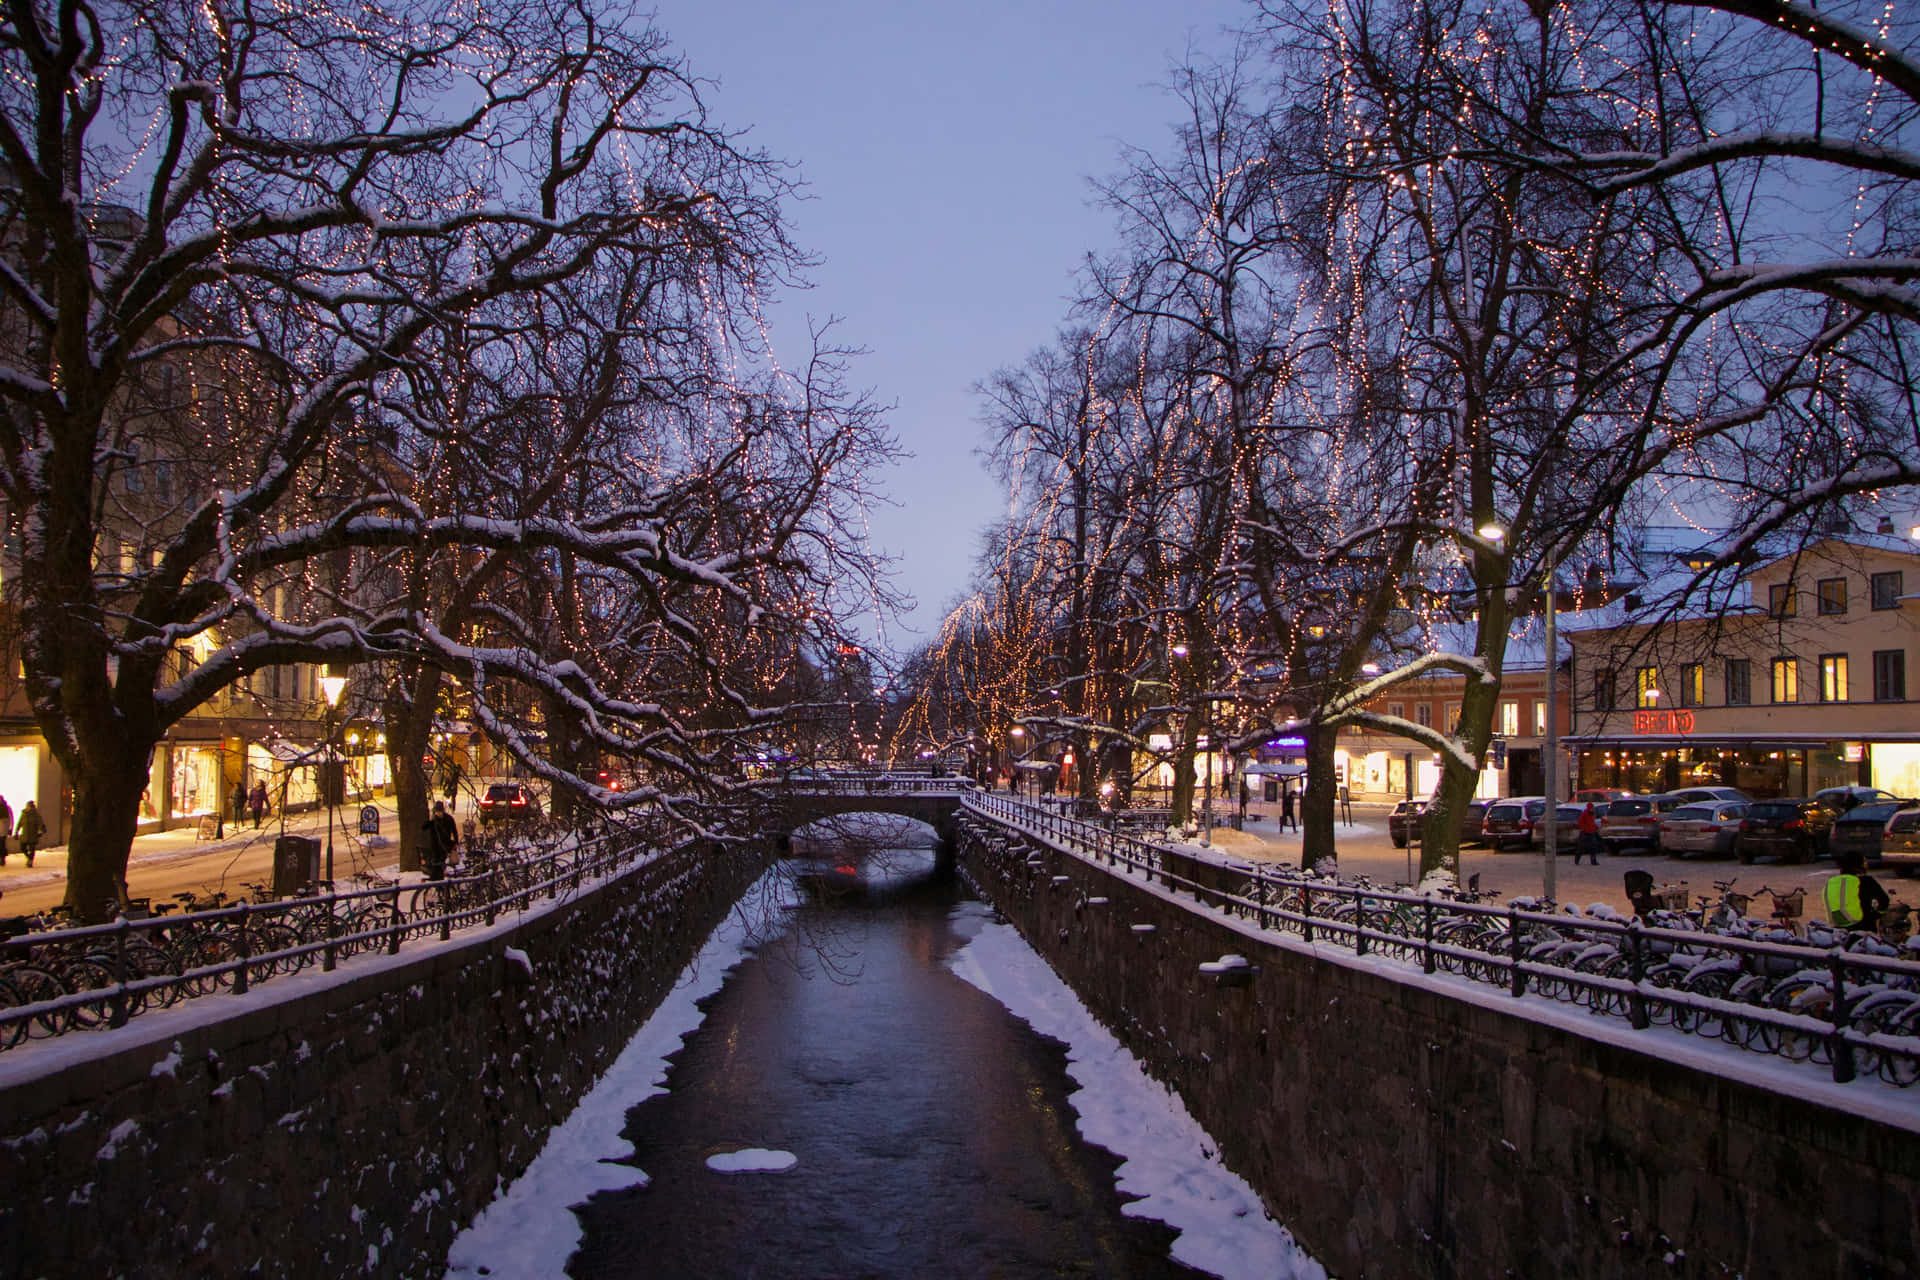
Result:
pixel 332 686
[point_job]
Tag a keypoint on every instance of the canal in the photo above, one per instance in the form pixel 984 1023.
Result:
pixel 850 1100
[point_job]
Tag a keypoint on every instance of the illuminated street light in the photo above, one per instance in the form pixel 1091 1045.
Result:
pixel 332 686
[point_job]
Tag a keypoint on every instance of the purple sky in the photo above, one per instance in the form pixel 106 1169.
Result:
pixel 946 149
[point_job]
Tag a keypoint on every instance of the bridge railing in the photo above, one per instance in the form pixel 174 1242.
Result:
pixel 874 784
pixel 1845 1004
pixel 57 981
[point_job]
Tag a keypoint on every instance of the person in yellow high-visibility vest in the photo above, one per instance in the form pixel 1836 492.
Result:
pixel 1854 898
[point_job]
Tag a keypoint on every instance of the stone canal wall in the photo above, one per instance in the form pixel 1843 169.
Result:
pixel 1401 1131
pixel 343 1124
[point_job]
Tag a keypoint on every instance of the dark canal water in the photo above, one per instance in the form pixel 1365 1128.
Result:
pixel 931 1127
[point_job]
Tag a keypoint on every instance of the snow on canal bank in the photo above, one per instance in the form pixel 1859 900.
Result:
pixel 1168 1158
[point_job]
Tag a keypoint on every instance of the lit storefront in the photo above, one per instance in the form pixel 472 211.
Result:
pixel 1669 756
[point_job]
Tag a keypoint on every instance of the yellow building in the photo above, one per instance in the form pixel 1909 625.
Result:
pixel 1793 681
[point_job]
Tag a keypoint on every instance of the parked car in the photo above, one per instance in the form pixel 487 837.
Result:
pixel 1599 796
pixel 1510 822
pixel 1709 795
pixel 1404 819
pixel 1634 822
pixel 1707 828
pixel 1566 827
pixel 1409 814
pixel 1862 829
pixel 508 801
pixel 1900 841
pixel 1794 829
pixel 1845 799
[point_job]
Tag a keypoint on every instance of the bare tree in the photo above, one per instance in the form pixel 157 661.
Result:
pixel 313 214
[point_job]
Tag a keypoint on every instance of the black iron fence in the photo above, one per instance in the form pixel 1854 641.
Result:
pixel 57 981
pixel 1841 1000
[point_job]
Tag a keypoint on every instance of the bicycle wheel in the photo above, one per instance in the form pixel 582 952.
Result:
pixel 372 921
pixel 89 975
pixel 203 950
pixel 30 984
pixel 265 940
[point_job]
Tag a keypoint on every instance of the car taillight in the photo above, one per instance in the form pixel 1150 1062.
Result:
pixel 1710 829
pixel 519 802
pixel 1791 823
pixel 1746 824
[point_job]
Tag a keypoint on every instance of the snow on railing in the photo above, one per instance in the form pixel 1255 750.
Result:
pixel 1854 1006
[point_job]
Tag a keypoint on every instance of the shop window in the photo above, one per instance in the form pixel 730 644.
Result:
pixel 1693 685
pixel 1890 675
pixel 1780 601
pixel 1786 679
pixel 1833 677
pixel 1739 682
pixel 1603 692
pixel 1887 590
pixel 1510 719
pixel 1832 595
pixel 1646 687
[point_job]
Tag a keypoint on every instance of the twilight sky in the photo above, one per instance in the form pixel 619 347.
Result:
pixel 946 149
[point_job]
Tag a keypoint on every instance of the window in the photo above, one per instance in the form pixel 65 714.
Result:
pixel 1780 601
pixel 1890 675
pixel 1603 693
pixel 1887 590
pixel 1739 682
pixel 1646 687
pixel 131 476
pixel 1398 710
pixel 1833 677
pixel 1832 594
pixel 1423 714
pixel 1539 717
pixel 1453 717
pixel 1510 719
pixel 1693 685
pixel 163 481
pixel 1786 679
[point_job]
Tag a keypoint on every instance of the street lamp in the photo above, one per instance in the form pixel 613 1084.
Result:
pixel 332 686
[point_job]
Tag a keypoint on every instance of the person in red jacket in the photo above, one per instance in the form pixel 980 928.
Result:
pixel 1588 841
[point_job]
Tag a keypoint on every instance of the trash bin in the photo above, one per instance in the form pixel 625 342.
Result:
pixel 296 862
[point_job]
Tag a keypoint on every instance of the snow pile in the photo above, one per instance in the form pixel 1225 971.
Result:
pixel 1437 883
pixel 523 1232
pixel 520 960
pixel 752 1160
pixel 1169 1160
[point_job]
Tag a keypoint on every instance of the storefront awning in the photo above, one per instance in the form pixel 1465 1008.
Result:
pixel 292 752
pixel 1276 770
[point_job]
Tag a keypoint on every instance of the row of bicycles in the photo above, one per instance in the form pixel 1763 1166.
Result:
pixel 56 978
pixel 1770 983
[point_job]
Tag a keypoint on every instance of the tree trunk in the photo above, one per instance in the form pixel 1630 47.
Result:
pixel 1317 806
pixel 106 813
pixel 409 732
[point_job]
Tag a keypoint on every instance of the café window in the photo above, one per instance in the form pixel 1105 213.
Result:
pixel 1832 595
pixel 1887 589
pixel 1739 682
pixel 1833 677
pixel 1780 601
pixel 1786 679
pixel 1692 690
pixel 1510 719
pixel 1646 687
pixel 1890 675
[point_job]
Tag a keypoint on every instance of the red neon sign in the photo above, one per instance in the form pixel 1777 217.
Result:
pixel 1663 722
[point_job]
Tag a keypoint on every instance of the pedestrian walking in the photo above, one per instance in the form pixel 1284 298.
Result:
pixel 257 801
pixel 30 829
pixel 238 802
pixel 1588 840
pixel 1287 820
pixel 6 827
pixel 442 836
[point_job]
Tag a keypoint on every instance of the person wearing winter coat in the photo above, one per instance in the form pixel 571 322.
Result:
pixel 6 827
pixel 30 829
pixel 238 801
pixel 258 802
pixel 1587 842
pixel 442 835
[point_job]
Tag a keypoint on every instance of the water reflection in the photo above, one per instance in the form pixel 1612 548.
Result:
pixel 931 1128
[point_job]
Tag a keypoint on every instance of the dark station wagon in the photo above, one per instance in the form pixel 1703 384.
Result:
pixel 1793 829
pixel 1862 829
